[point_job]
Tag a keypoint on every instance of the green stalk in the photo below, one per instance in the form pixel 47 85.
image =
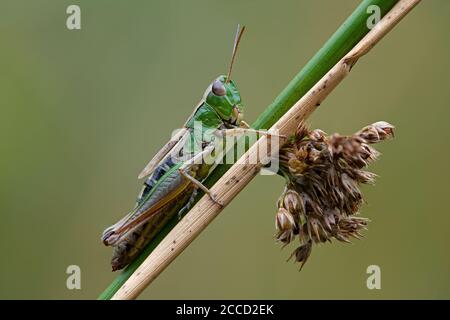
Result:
pixel 340 43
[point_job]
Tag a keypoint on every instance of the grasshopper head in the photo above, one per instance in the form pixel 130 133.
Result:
pixel 223 96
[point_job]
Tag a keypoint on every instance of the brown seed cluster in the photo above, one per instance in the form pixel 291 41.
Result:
pixel 322 196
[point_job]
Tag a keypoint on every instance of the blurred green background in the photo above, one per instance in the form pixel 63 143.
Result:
pixel 81 112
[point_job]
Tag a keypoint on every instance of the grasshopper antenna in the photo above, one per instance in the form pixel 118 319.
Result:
pixel 237 39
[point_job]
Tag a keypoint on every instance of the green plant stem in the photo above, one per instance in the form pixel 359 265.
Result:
pixel 340 43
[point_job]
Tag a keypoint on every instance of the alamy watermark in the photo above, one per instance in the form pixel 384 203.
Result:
pixel 73 281
pixel 374 280
pixel 375 16
pixel 73 21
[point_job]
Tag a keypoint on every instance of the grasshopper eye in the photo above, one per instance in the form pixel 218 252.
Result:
pixel 218 88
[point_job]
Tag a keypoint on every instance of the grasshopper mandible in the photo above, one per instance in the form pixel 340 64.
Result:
pixel 176 172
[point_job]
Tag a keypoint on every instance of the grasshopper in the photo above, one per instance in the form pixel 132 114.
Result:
pixel 177 171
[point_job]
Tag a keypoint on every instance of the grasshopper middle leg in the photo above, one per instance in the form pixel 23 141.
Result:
pixel 183 171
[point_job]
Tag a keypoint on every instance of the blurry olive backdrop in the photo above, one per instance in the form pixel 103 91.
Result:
pixel 81 112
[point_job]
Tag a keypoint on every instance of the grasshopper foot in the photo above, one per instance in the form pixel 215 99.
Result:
pixel 270 134
pixel 213 198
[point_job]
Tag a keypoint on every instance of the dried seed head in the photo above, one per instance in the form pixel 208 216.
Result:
pixel 301 154
pixel 285 225
pixel 302 131
pixel 302 253
pixel 322 194
pixel 317 135
pixel 292 202
pixel 296 166
pixel 284 220
pixel 351 227
pixel 314 155
pixel 377 132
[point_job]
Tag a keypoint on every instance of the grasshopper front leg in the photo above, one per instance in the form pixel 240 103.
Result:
pixel 244 125
pixel 241 131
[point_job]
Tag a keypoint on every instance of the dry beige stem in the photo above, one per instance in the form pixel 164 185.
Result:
pixel 242 172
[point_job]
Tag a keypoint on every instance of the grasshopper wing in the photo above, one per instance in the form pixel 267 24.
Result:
pixel 165 195
pixel 169 147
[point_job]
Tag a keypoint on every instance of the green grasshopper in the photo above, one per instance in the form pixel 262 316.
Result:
pixel 177 171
